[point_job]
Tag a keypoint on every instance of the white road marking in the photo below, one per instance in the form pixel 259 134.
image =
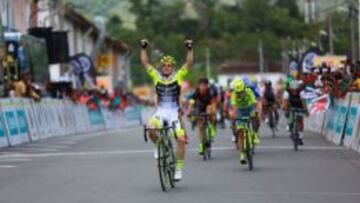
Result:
pixel 66 142
pixel 85 136
pixel 14 160
pixel 282 147
pixel 28 149
pixel 7 166
pixel 126 152
pixel 43 146
pixel 295 193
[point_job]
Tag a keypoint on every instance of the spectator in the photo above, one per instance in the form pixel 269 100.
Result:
pixel 20 87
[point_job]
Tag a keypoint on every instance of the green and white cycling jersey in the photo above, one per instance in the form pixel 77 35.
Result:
pixel 168 89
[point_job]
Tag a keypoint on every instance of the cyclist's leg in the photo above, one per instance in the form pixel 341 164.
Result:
pixel 200 132
pixel 155 122
pixel 301 129
pixel 241 145
pixel 240 134
pixel 173 117
pixel 263 111
pixel 276 113
pixel 256 126
pixel 212 122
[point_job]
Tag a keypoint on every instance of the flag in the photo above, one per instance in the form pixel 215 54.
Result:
pixel 316 100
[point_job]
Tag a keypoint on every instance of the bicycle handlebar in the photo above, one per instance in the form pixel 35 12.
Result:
pixel 206 115
pixel 165 128
pixel 244 119
pixel 298 111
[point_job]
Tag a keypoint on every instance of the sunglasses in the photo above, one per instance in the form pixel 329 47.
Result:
pixel 168 65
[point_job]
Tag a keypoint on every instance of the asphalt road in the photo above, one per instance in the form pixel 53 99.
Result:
pixel 119 167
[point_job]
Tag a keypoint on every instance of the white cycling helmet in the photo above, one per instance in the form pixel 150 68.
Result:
pixel 294 85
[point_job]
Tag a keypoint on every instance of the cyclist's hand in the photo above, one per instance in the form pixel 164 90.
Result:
pixel 189 44
pixel 144 43
pixel 232 115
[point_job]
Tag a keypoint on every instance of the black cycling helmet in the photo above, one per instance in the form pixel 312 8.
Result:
pixel 203 81
pixel 268 83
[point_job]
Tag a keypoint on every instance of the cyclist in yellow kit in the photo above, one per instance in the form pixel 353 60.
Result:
pixel 243 103
pixel 167 83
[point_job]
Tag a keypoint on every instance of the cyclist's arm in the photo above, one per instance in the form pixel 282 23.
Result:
pixel 212 107
pixel 144 58
pixel 191 105
pixel 286 101
pixel 189 59
pixel 233 106
pixel 252 98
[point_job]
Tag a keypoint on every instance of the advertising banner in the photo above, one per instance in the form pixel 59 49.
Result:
pixel 330 61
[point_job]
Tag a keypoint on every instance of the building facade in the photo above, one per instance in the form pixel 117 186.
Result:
pixel 83 35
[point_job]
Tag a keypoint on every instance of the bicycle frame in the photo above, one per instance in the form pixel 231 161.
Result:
pixel 295 115
pixel 248 143
pixel 206 140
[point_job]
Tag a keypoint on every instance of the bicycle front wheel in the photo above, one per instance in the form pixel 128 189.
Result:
pixel 171 163
pixel 296 140
pixel 165 179
pixel 272 124
pixel 249 147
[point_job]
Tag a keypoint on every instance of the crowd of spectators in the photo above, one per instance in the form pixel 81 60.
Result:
pixel 94 98
pixel 334 81
pixel 100 98
pixel 23 87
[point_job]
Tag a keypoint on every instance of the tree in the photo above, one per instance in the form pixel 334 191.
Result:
pixel 291 6
pixel 229 32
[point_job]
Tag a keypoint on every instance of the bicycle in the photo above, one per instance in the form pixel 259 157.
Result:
pixel 296 114
pixel 166 156
pixel 249 146
pixel 272 121
pixel 207 139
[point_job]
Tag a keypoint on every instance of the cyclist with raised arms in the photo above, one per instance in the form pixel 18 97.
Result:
pixel 203 102
pixel 167 83
pixel 243 104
